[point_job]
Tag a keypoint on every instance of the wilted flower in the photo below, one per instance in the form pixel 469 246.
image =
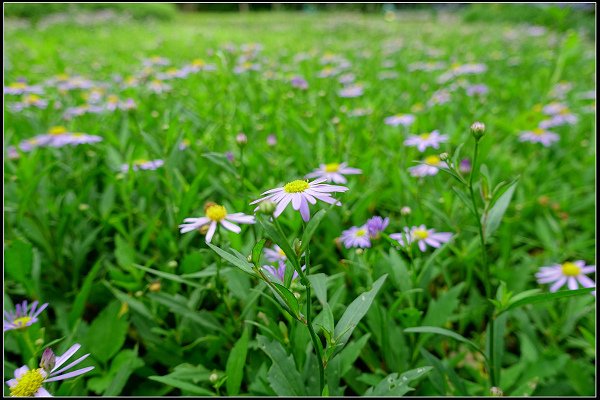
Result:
pixel 423 236
pixel 216 214
pixel 22 317
pixel 300 193
pixel 539 135
pixel 334 172
pixel 573 273
pixel 28 383
pixel 425 140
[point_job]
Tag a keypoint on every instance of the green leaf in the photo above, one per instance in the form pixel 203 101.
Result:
pixel 107 332
pixel 278 238
pixel 394 385
pixel 288 300
pixel 355 312
pixel 18 261
pixel 242 264
pixel 463 197
pixel 491 219
pixel 310 229
pixel 121 368
pixel 179 306
pixel 283 376
pixel 220 160
pixel 82 295
pixel 134 304
pixel 443 332
pixel 171 277
pixel 441 309
pixel 235 365
pixel 257 251
pixel 540 298
pixel 183 385
pixel 124 253
pixel 319 283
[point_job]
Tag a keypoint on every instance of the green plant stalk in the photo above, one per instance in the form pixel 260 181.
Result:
pixel 485 266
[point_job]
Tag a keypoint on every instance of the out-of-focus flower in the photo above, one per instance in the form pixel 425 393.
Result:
pixel 334 172
pixel 22 88
pixel 423 236
pixel 275 254
pixel 351 91
pixel 376 225
pixel 465 165
pixel 241 138
pixel 216 214
pixel 563 118
pixel 438 97
pixel 357 236
pixel 431 167
pixel 477 90
pixel 23 316
pixel 539 135
pixel 158 86
pixel 299 82
pixel 156 60
pixel 30 100
pixel 572 273
pixel 400 119
pixel 432 139
pixel 143 165
pixel 271 140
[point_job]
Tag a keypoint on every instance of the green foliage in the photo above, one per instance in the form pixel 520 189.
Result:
pixel 160 11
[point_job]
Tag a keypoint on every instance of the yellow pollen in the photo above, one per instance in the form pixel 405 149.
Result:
pixel 332 167
pixel 570 269
pixel 564 111
pixel 22 322
pixel 28 384
pixel 361 232
pixel 18 85
pixel 421 234
pixel 216 212
pixel 296 186
pixel 433 160
pixel 538 131
pixel 424 136
pixel 57 130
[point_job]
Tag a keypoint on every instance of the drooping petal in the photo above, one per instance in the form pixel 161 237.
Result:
pixel 281 206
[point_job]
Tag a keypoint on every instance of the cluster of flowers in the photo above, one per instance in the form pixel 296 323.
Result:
pixel 57 136
pixel 559 114
pixel 29 382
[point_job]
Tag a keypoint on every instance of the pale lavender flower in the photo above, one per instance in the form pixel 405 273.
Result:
pixel 215 215
pixel 400 119
pixel 334 172
pixel 229 156
pixel 23 316
pixel 477 90
pixel 12 152
pixel 328 72
pixel 357 236
pixel 430 167
pixel 279 271
pixel 423 236
pixel 78 138
pixel 359 112
pixel 571 273
pixel 555 108
pixel 28 383
pixel 425 140
pixel 142 164
pixel 539 136
pixel 464 69
pixel 351 91
pixel 347 78
pixel 56 137
pixel 560 89
pixel 376 225
pixel 559 119
pixel 22 88
pixel 300 193
pixel 185 143
pixel 465 165
pixel 426 66
pixel 438 97
pixel 158 86
pixel 245 67
pixel 156 60
pixel 30 100
pixel 299 82
pixel 275 254
pixel 271 140
pixel 241 138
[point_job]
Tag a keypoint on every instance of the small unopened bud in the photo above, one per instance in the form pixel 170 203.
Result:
pixel 405 210
pixel 496 392
pixel 154 286
pixel 241 138
pixel 213 377
pixel 172 264
pixel 297 246
pixel 478 129
pixel 444 156
pixel 267 207
pixel 48 360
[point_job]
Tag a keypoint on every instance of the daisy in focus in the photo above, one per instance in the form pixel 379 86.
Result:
pixel 334 172
pixel 22 317
pixel 425 140
pixel 216 214
pixel 143 164
pixel 300 193
pixel 572 273
pixel 28 383
pixel 430 167
pixel 423 236
pixel 539 135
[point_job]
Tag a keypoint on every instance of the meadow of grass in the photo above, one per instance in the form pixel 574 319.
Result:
pixel 163 313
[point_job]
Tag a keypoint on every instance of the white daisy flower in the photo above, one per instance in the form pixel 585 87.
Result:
pixel 216 215
pixel 334 172
pixel 423 236
pixel 572 273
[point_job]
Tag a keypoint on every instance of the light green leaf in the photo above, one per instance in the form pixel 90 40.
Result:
pixel 107 333
pixel 242 264
pixel 491 219
pixel 444 332
pixel 283 376
pixel 82 295
pixel 394 385
pixel 542 297
pixel 310 229
pixel 235 365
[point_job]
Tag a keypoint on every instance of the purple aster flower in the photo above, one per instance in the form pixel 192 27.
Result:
pixel 400 119
pixel 430 167
pixel 571 273
pixel 346 78
pixel 300 193
pixel 279 271
pixel 143 164
pixel 351 91
pixel 334 172
pixel 425 140
pixel 376 225
pixel 271 140
pixel 22 317
pixel 477 90
pixel 75 139
pixel 555 108
pixel 229 155
pixel 28 383
pixel 441 96
pixel 564 118
pixel 216 214
pixel 299 82
pixel 539 136
pixel 359 112
pixel 22 88
pixel 357 236
pixel 275 254
pixel 465 165
pixel 423 236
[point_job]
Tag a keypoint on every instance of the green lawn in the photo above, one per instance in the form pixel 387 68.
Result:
pixel 161 313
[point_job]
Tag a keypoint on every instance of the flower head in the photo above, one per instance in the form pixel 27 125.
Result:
pixel 299 82
pixel 22 317
pixel 143 164
pixel 425 140
pixel 573 273
pixel 400 119
pixel 430 167
pixel 216 214
pixel 357 236
pixel 334 172
pixel 300 193
pixel 351 91
pixel 275 254
pixel 28 383
pixel 423 236
pixel 376 225
pixel 539 135
pixel 279 271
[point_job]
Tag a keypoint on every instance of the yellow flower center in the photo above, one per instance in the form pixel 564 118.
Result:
pixel 538 131
pixel 216 212
pixel 332 167
pixel 32 98
pixel 424 136
pixel 281 252
pixel 113 99
pixel 417 107
pixel 433 160
pixel 421 234
pixel 57 130
pixel 78 135
pixel 62 77
pixel 198 63
pixel 570 269
pixel 296 186
pixel 564 111
pixel 21 322
pixel 28 384
pixel 32 141
pixel 18 85
pixel 361 232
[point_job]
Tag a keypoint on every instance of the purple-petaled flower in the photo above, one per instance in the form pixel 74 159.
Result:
pixel 357 236
pixel 157 86
pixel 31 100
pixel 143 164
pixel 539 136
pixel 57 136
pixel 572 273
pixel 28 383
pixel 359 112
pixel 351 91
pixel 156 60
pixel 279 271
pixel 275 254
pixel 78 138
pixel 12 153
pixel 246 66
pixel 560 89
pixel 241 138
pixel 334 172
pixel 229 156
pixel 376 225
pixel 441 96
pixel 271 140
pixel 477 90
pixel 22 317
pixel 22 88
pixel 465 165
pixel 300 193
pixel 425 140
pixel 185 143
pixel 430 167
pixel 347 78
pixel 555 108
pixel 299 82
pixel 423 236
pixel 216 214
pixel 564 118
pixel 400 119
pixel 328 71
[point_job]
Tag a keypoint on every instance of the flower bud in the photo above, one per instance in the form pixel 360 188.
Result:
pixel 48 360
pixel 267 207
pixel 444 156
pixel 478 129
pixel 213 377
pixel 241 138
pixel 154 286
pixel 297 246
pixel 271 140
pixel 405 210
